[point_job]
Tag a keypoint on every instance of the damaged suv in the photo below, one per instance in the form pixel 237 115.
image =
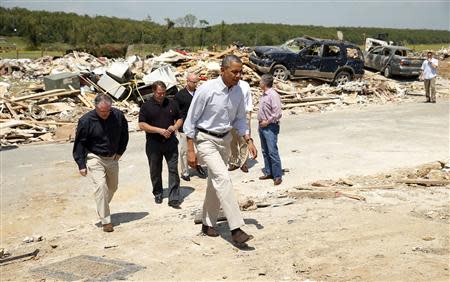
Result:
pixel 307 57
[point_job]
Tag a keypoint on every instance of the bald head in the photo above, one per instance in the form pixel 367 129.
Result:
pixel 192 80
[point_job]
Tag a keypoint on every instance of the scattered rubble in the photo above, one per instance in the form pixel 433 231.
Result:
pixel 41 100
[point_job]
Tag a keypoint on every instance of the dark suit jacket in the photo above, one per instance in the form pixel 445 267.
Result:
pixel 184 99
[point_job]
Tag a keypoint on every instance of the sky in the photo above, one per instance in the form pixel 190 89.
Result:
pixel 414 14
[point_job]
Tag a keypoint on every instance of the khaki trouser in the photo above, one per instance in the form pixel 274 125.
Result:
pixel 239 149
pixel 184 168
pixel 430 89
pixel 214 153
pixel 104 172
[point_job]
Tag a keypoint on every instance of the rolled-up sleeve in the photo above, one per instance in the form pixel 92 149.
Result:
pixel 240 122
pixel 275 104
pixel 195 111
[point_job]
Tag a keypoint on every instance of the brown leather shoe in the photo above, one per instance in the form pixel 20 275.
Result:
pixel 232 167
pixel 108 227
pixel 277 181
pixel 264 177
pixel 209 231
pixel 240 236
pixel 244 168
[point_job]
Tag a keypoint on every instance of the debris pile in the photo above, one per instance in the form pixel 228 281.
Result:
pixel 42 99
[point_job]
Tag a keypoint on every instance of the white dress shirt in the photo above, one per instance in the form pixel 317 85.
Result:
pixel 428 71
pixel 216 108
pixel 247 95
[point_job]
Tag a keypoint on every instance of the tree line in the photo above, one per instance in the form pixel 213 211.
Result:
pixel 42 27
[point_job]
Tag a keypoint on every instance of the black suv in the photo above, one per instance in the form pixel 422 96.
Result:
pixel 307 57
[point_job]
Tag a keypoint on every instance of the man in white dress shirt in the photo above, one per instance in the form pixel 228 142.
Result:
pixel 429 72
pixel 239 148
pixel 217 107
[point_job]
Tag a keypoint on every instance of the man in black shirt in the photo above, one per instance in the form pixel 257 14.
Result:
pixel 160 118
pixel 100 141
pixel 184 98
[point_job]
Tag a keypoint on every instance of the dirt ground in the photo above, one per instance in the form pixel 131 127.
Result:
pixel 306 231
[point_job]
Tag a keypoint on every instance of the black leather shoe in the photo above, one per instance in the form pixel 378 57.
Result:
pixel 186 177
pixel 159 198
pixel 201 171
pixel 209 231
pixel 174 204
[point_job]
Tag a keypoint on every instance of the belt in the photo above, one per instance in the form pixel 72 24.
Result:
pixel 218 135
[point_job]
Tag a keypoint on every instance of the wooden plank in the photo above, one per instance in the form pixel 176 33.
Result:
pixel 14 102
pixel 307 104
pixel 425 182
pixel 31 122
pixel 226 52
pixel 38 95
pixel 11 110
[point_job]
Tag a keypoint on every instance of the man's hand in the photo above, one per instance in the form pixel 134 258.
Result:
pixel 263 123
pixel 171 129
pixel 166 133
pixel 252 150
pixel 192 159
pixel 83 172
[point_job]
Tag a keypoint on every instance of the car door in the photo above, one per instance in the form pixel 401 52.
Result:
pixel 332 58
pixel 308 62
pixel 372 57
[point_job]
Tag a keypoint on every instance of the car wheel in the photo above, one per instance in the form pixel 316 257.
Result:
pixel 280 72
pixel 342 78
pixel 387 72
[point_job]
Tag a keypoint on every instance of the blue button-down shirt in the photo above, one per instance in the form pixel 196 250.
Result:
pixel 216 108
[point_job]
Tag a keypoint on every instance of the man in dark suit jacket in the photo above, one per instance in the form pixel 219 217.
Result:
pixel 184 98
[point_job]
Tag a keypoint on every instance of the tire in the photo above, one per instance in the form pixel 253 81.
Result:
pixel 280 72
pixel 387 72
pixel 342 78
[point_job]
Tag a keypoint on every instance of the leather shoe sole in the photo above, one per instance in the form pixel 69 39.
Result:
pixel 264 177
pixel 241 237
pixel 186 177
pixel 277 181
pixel 209 231
pixel 108 227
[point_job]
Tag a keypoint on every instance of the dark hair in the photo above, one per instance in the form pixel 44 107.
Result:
pixel 102 98
pixel 429 52
pixel 158 83
pixel 228 59
pixel 267 79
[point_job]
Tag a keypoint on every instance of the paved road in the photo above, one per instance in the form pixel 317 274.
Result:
pixel 313 146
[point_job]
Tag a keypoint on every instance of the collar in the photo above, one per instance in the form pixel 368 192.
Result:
pixel 164 102
pixel 223 85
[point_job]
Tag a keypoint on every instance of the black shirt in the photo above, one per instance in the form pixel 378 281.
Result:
pixel 159 115
pixel 100 137
pixel 184 99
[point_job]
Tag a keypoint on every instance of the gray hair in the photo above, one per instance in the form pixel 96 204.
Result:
pixel 267 80
pixel 103 98
pixel 228 59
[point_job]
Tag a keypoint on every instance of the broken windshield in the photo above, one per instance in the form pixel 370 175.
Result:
pixel 294 45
